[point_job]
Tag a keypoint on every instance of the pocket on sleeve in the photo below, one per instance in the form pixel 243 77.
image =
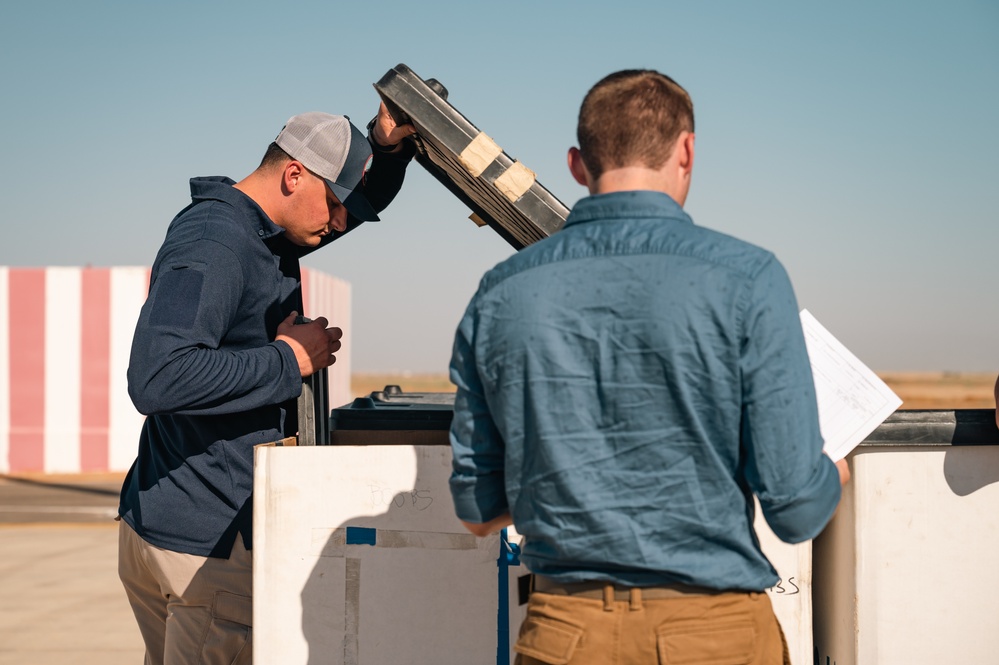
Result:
pixel 706 643
pixel 176 296
pixel 548 640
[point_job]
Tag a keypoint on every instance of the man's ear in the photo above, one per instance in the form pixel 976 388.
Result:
pixel 292 176
pixel 686 157
pixel 679 167
pixel 577 168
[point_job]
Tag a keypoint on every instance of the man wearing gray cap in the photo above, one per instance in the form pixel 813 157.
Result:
pixel 216 364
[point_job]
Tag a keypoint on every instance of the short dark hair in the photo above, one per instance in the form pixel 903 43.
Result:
pixel 632 117
pixel 274 156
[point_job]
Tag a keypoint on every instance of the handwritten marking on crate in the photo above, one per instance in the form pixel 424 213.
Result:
pixel 414 499
pixel 785 587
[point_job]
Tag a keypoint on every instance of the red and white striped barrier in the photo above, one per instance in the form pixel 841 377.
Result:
pixel 65 336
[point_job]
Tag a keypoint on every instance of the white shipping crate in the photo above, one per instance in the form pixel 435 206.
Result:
pixel 792 595
pixel 905 572
pixel 358 559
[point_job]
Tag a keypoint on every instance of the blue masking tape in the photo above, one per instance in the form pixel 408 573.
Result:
pixel 359 535
pixel 503 609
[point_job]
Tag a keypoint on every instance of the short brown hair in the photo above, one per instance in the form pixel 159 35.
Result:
pixel 274 156
pixel 632 117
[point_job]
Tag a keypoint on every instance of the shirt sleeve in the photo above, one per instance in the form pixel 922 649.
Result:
pixel 477 480
pixel 388 171
pixel 179 362
pixel 797 485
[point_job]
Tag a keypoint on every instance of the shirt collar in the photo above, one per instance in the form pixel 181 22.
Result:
pixel 630 204
pixel 220 188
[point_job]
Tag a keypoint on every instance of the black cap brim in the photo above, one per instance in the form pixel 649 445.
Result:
pixel 354 202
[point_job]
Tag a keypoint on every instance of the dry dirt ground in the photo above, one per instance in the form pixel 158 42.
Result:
pixel 918 390
pixel 364 384
pixel 943 390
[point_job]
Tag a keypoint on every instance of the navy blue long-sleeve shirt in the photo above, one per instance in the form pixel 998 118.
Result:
pixel 205 367
pixel 625 387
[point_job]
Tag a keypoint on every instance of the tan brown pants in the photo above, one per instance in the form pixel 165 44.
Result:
pixel 190 609
pixel 625 628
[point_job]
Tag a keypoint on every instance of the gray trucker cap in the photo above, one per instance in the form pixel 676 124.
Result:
pixel 334 149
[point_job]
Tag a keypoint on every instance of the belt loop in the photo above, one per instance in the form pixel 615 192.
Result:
pixel 635 599
pixel 608 598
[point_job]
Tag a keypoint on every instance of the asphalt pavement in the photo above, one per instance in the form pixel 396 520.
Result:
pixel 60 598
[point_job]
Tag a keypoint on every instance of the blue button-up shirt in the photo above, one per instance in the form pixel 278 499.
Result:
pixel 625 387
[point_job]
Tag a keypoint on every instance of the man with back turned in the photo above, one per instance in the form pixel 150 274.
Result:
pixel 624 388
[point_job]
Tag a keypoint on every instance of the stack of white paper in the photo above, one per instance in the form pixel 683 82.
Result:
pixel 853 401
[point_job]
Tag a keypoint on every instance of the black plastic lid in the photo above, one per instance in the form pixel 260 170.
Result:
pixel 393 409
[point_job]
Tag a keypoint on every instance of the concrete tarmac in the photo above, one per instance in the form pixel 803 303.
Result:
pixel 60 598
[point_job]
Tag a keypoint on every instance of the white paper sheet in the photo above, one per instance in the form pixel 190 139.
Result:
pixel 852 400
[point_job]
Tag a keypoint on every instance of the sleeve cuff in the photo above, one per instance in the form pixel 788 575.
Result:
pixel 291 375
pixel 403 150
pixel 804 516
pixel 478 499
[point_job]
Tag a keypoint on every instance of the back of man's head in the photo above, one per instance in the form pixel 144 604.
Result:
pixel 632 118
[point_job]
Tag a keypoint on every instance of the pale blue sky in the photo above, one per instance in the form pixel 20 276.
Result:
pixel 856 140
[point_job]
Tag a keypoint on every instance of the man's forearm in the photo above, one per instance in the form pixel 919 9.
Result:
pixel 492 526
pixel 386 175
pixel 206 382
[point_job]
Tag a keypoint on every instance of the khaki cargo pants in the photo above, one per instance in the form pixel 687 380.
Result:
pixel 190 609
pixel 623 628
